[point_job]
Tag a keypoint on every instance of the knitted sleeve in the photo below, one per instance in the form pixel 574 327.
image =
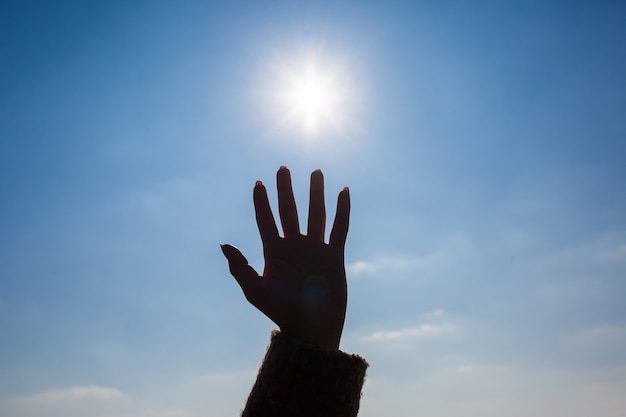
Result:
pixel 304 380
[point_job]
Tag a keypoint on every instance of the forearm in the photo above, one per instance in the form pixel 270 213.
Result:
pixel 300 379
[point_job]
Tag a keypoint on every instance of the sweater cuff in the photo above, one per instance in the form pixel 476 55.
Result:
pixel 301 379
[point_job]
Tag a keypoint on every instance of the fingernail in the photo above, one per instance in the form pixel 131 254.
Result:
pixel 282 167
pixel 346 189
pixel 258 182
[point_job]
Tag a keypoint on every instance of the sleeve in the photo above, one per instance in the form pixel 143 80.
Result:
pixel 304 380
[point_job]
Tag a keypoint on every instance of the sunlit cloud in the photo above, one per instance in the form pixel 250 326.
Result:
pixel 361 267
pixel 392 263
pixel 410 333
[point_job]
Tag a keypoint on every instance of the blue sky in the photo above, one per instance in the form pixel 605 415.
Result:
pixel 484 148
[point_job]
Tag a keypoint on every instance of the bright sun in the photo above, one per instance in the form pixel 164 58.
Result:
pixel 313 100
pixel 312 97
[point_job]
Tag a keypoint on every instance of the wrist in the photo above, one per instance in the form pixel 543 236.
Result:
pixel 312 337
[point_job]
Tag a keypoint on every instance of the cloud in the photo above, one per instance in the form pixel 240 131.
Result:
pixel 602 345
pixel 176 198
pixel 360 267
pixel 587 259
pixel 604 334
pixel 208 394
pixel 435 313
pixel 98 401
pixel 79 392
pixel 575 290
pixel 486 389
pixel 389 263
pixel 410 333
pixel 79 400
pixel 429 334
pixel 616 252
pixel 455 250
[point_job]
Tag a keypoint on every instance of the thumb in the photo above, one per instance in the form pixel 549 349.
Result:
pixel 246 276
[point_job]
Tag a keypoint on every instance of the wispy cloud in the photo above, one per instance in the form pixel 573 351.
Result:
pixel 450 253
pixel 75 401
pixel 93 401
pixel 360 267
pixel 616 252
pixel 409 333
pixel 603 344
pixel 481 389
pixel 592 255
pixel 78 392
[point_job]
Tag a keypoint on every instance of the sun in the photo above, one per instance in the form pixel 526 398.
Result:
pixel 311 96
pixel 313 101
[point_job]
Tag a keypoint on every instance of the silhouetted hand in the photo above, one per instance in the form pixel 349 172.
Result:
pixel 303 286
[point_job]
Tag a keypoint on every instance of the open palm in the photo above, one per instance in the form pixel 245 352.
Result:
pixel 303 285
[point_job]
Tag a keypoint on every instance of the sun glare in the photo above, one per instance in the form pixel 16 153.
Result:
pixel 311 101
pixel 311 97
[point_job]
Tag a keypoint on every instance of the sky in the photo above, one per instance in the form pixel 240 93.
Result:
pixel 483 144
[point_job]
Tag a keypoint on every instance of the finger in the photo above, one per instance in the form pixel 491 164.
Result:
pixel 342 220
pixel 286 203
pixel 317 211
pixel 246 276
pixel 264 217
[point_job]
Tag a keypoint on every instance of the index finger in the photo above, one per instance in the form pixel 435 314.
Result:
pixel 264 217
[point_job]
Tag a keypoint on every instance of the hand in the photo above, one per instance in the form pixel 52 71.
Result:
pixel 303 287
